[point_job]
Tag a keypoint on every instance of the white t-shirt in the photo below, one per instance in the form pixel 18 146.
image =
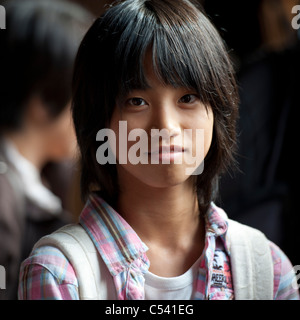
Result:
pixel 174 288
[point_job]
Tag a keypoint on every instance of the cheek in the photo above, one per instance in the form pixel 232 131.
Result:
pixel 204 124
pixel 123 126
pixel 115 127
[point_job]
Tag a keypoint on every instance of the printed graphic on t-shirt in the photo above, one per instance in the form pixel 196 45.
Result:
pixel 221 275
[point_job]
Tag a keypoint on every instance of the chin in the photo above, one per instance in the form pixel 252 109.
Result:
pixel 158 176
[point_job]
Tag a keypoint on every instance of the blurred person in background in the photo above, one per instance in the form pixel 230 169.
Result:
pixel 37 52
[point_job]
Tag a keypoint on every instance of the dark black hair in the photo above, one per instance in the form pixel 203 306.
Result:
pixel 37 54
pixel 187 51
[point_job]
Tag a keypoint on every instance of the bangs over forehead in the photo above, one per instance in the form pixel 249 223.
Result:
pixel 181 44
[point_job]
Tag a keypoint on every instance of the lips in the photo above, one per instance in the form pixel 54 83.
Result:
pixel 167 149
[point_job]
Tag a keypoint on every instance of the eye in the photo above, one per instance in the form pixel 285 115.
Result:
pixel 188 98
pixel 136 102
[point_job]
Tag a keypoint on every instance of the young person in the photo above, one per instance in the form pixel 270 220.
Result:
pixel 150 230
pixel 38 50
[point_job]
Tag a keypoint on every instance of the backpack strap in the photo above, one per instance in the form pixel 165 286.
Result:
pixel 77 246
pixel 251 263
pixel 250 256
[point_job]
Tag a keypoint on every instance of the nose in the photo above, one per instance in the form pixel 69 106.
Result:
pixel 164 117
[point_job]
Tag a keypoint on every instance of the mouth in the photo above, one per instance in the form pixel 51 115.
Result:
pixel 167 152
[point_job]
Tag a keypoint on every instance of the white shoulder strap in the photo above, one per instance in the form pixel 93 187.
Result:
pixel 251 263
pixel 77 246
pixel 250 256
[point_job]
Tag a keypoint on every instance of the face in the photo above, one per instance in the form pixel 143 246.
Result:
pixel 177 132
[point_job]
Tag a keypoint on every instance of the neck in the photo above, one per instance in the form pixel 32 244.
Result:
pixel 168 222
pixel 164 216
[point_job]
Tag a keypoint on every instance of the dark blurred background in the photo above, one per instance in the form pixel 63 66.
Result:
pixel 265 51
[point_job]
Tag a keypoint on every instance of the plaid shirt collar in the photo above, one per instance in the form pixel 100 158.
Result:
pixel 123 251
pixel 216 224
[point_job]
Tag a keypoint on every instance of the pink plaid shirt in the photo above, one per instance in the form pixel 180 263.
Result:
pixel 47 274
